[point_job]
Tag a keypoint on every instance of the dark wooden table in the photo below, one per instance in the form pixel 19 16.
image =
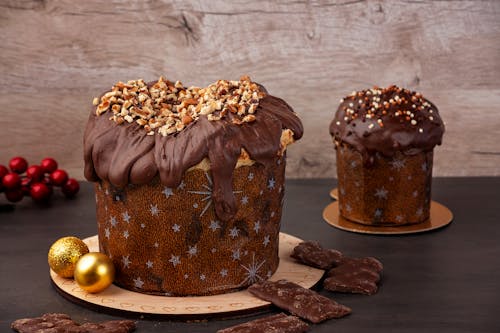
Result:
pixel 446 280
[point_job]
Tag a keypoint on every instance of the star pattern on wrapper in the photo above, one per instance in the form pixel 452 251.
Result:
pixel 424 167
pixel 266 241
pixel 181 185
pixel 113 221
pixel 348 208
pixel 202 277
pixel 397 163
pixel 252 271
pixel 149 264
pixel 192 251
pixel 250 176
pixel 244 200
pixel 138 283
pixel 236 254
pixel 214 225
pixel 154 210
pixel 256 227
pixel 271 183
pixel 234 232
pixel 381 193
pixel 223 272
pixel 107 233
pixel 399 218
pixel 207 193
pixel 176 228
pixel 167 191
pixel 175 260
pixel 126 261
pixel 126 234
pixel 126 217
pixel 378 213
pixel 420 211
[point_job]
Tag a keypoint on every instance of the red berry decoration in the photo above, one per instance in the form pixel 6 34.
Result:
pixel 70 188
pixel 38 181
pixel 48 165
pixel 39 192
pixel 14 195
pixel 59 177
pixel 35 173
pixel 25 186
pixel 18 165
pixel 11 181
pixel 3 171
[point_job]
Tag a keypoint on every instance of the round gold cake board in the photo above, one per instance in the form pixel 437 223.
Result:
pixel 440 217
pixel 334 193
pixel 125 302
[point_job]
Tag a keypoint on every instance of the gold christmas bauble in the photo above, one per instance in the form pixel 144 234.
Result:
pixel 64 254
pixel 94 272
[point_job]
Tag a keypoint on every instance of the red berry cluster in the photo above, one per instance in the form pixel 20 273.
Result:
pixel 36 181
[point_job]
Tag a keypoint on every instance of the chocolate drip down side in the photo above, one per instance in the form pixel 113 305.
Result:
pixel 124 154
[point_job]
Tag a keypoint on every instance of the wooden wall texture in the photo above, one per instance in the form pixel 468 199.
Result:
pixel 55 56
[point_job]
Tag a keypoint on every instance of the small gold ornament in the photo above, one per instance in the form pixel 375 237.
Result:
pixel 94 272
pixel 64 254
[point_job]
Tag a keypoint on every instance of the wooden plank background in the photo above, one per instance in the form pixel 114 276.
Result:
pixel 55 56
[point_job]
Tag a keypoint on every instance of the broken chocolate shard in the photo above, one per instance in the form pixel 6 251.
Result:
pixel 311 253
pixel 355 275
pixel 300 301
pixel 281 323
pixel 60 322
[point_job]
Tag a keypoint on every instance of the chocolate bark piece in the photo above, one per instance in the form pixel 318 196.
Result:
pixel 276 323
pixel 355 275
pixel 60 322
pixel 302 302
pixel 311 253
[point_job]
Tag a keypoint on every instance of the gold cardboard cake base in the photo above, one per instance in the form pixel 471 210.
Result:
pixel 440 217
pixel 118 300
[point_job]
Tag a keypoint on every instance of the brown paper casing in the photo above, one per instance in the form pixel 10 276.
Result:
pixel 389 191
pixel 170 242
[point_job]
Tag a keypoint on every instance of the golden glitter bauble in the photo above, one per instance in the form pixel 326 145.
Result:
pixel 64 254
pixel 94 272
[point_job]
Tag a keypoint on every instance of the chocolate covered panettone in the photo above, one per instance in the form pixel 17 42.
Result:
pixel 384 140
pixel 189 183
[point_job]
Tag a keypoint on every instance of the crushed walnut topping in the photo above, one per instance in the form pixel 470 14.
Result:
pixel 167 107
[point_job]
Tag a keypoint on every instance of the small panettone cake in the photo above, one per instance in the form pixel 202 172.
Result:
pixel 189 183
pixel 384 140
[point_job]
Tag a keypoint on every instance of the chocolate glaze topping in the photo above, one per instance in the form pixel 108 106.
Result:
pixel 127 154
pixel 387 121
